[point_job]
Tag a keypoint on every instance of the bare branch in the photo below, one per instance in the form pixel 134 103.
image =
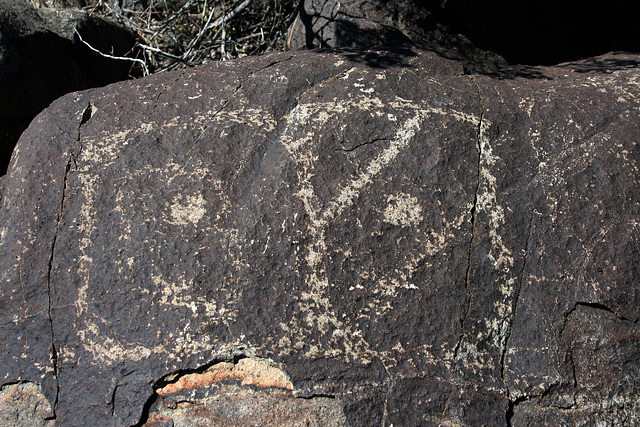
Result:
pixel 122 58
pixel 163 53
pixel 223 19
pixel 201 33
pixel 175 16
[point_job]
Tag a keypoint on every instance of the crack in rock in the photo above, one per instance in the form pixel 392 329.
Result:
pixel 294 225
pixel 511 408
pixel 473 213
pixel 513 403
pixel 311 86
pixel 355 147
pixel 225 103
pixel 595 306
pixel 390 384
pixel 84 118
pixel 602 307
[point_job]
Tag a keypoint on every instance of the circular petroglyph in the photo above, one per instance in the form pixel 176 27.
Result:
pixel 402 210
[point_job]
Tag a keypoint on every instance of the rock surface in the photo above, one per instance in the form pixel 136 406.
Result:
pixel 41 59
pixel 366 238
pixel 23 404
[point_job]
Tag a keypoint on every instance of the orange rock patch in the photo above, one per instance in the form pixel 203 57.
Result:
pixel 248 371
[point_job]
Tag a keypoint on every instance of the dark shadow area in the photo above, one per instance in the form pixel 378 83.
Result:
pixel 520 71
pixel 543 32
pixel 42 68
pixel 500 38
pixel 381 58
pixel 602 65
pixel 349 34
pixel 383 24
pixel 590 65
pixel 486 35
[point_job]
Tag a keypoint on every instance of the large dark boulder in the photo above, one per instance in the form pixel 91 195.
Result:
pixel 42 58
pixel 366 238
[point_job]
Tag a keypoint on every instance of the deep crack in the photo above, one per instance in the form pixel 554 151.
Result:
pixel 174 376
pixel 594 306
pixel 599 306
pixel 513 403
pixel 84 118
pixel 54 352
pixel 112 403
pixel 511 408
pixel 355 147
pixel 473 212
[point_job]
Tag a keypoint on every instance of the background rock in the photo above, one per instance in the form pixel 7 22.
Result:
pixel 41 58
pixel 24 405
pixel 371 24
pixel 486 35
pixel 543 32
pixel 405 243
pixel 205 398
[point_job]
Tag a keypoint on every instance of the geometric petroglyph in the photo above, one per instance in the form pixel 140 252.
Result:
pixel 198 213
pixel 343 339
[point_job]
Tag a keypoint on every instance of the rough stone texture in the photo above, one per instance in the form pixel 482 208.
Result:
pixel 406 244
pixel 216 396
pixel 247 370
pixel 24 405
pixel 41 59
pixel 233 405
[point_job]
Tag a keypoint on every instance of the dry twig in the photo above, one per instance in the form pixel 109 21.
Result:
pixel 106 55
pixel 175 35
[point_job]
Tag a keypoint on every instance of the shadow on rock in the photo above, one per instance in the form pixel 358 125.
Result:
pixel 606 65
pixel 396 56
